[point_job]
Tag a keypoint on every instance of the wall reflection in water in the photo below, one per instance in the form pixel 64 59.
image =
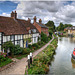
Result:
pixel 73 63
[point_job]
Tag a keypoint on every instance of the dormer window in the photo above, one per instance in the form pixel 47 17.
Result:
pixel 34 30
pixel 29 31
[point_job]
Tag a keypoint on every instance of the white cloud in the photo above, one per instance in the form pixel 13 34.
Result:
pixel 57 11
pixel 5 14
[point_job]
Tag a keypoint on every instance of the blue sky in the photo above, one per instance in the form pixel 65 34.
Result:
pixel 7 6
pixel 57 11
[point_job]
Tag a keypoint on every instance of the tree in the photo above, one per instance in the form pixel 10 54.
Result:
pixel 51 25
pixel 44 37
pixel 61 27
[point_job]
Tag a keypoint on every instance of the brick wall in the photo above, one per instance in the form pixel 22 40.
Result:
pixel 45 30
pixel 37 26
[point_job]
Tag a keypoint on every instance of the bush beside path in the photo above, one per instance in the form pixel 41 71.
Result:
pixel 20 65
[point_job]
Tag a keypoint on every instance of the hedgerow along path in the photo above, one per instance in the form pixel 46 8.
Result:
pixel 20 65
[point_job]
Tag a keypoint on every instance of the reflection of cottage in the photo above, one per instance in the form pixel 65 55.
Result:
pixel 41 27
pixel 71 30
pixel 17 30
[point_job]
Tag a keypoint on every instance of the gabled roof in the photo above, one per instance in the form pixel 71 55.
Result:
pixel 11 26
pixel 42 25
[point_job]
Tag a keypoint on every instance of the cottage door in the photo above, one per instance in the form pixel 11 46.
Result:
pixel 26 43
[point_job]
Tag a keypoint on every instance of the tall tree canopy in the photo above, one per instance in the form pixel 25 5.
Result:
pixel 51 26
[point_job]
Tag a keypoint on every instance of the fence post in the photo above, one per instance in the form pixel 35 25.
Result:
pixel 28 61
pixel 30 58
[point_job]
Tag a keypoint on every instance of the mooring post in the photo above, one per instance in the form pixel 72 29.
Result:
pixel 30 58
pixel 28 61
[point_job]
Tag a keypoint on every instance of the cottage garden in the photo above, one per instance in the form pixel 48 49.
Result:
pixel 19 52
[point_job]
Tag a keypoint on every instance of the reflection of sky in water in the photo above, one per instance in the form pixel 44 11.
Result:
pixel 62 63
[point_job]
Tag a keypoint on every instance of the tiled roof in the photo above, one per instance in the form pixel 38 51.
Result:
pixel 42 25
pixel 11 26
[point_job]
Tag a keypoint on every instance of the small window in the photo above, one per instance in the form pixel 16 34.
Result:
pixel 29 31
pixel 12 37
pixel 34 30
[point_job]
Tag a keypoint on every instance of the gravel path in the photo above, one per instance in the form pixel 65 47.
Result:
pixel 19 67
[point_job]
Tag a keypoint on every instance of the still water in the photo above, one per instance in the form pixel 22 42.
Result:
pixel 62 63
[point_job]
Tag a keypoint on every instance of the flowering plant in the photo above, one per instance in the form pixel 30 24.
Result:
pixel 2 56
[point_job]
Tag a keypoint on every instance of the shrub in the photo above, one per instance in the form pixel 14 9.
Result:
pixel 44 37
pixel 17 50
pixel 2 57
pixel 8 45
pixel 35 45
pixel 26 51
pixel 4 60
pixel 30 46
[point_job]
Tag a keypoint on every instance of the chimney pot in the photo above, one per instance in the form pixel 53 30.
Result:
pixel 14 15
pixel 29 20
pixel 34 18
pixel 40 20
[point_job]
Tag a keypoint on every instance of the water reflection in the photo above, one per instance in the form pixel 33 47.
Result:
pixel 72 40
pixel 62 63
pixel 73 63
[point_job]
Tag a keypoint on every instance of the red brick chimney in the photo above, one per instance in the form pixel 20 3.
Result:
pixel 40 21
pixel 29 20
pixel 34 18
pixel 14 15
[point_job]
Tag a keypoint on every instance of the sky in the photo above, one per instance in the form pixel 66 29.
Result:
pixel 57 11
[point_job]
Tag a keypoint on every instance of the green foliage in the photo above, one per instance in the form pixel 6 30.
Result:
pixel 62 26
pixel 40 62
pixel 51 25
pixel 26 51
pixel 8 45
pixel 44 37
pixel 14 49
pixel 54 42
pixel 35 45
pixel 17 50
pixel 28 39
pixel 30 46
pixel 4 60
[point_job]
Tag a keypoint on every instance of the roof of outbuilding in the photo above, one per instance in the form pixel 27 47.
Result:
pixel 42 25
pixel 11 26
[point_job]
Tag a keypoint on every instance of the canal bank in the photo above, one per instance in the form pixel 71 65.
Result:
pixel 42 60
pixel 62 63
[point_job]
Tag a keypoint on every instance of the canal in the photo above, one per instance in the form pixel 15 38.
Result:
pixel 62 63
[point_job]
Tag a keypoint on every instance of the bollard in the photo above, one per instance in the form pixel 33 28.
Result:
pixel 28 61
pixel 30 58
